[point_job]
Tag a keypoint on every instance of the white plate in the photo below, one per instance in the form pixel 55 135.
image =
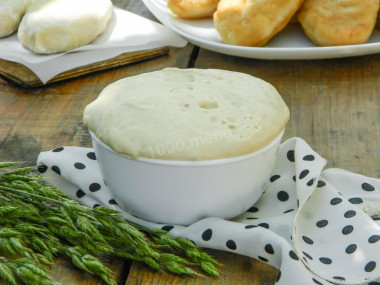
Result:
pixel 290 43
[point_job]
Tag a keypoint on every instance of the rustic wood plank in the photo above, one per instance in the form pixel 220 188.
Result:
pixel 236 269
pixel 334 103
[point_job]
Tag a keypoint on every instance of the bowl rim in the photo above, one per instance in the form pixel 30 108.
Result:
pixel 172 162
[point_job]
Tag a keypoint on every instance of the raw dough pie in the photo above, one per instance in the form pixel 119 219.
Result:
pixel 206 113
pixel 52 26
pixel 11 12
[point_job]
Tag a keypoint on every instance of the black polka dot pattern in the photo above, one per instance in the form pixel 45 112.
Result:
pixel 253 210
pixel 347 229
pixel 325 260
pixel 42 168
pixel 351 248
pixel 274 178
pixel 289 195
pixel 321 184
pixel 167 228
pixel 283 196
pixel 335 201
pixel 322 223
pixel 370 266
pixel 309 157
pixel 250 226
pixel 94 187
pixel 307 255
pixel 112 202
pixel 207 235
pixel 303 174
pixel 349 214
pixel 79 165
pixel 368 187
pixel 293 255
pixel 290 155
pixel 310 182
pixel 355 200
pixel 374 238
pixel 264 225
pixel 307 240
pixel 231 244
pixel 316 281
pixel 269 248
pixel 80 193
pixel 288 211
pixel 262 258
pixel 56 169
pixel 91 155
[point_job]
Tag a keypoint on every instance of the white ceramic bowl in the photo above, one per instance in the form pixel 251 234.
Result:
pixel 183 192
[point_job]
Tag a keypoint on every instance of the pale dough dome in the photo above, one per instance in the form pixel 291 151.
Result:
pixel 52 26
pixel 187 114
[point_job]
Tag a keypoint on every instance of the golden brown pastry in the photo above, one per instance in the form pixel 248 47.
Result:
pixel 193 9
pixel 253 22
pixel 337 22
pixel 378 20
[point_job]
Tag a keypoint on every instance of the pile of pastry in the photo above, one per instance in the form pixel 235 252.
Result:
pixel 54 26
pixel 255 22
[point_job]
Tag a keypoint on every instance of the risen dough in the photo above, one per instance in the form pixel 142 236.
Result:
pixel 11 12
pixel 193 9
pixel 52 26
pixel 338 22
pixel 187 114
pixel 252 22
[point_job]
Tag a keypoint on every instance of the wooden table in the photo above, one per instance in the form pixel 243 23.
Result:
pixel 334 106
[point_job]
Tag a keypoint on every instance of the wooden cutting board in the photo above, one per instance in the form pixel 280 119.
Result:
pixel 23 76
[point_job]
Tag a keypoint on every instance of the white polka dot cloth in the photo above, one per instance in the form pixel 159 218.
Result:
pixel 315 226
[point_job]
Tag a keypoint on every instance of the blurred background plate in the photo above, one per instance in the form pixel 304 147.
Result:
pixel 290 43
